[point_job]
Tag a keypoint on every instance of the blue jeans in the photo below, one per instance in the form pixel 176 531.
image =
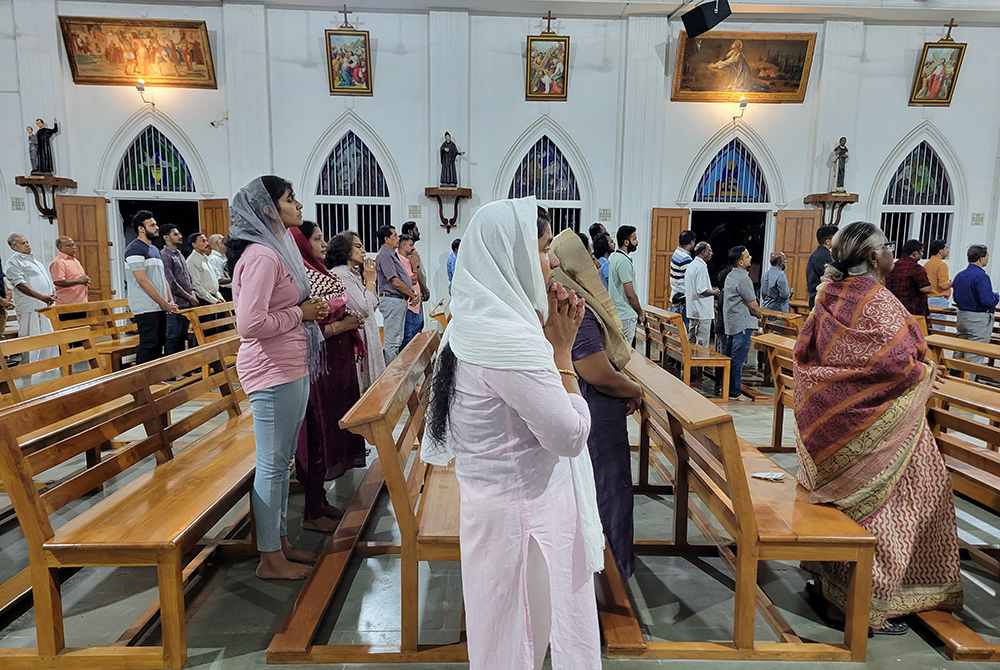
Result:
pixel 739 349
pixel 940 301
pixel 278 412
pixel 414 324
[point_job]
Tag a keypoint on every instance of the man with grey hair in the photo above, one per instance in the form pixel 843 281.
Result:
pixel 774 290
pixel 700 295
pixel 217 259
pixel 975 298
pixel 33 289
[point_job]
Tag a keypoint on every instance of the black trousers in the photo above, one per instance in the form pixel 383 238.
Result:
pixel 152 336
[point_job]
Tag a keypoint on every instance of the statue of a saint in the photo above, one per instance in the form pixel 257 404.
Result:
pixel 44 135
pixel 449 154
pixel 32 150
pixel 840 157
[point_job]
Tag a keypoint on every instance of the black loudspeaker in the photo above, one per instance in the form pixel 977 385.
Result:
pixel 706 16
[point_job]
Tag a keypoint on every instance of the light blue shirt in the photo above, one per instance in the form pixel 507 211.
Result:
pixel 451 269
pixel 605 266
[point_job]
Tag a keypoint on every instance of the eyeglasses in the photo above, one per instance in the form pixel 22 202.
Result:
pixel 891 246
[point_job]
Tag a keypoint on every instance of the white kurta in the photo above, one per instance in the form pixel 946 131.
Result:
pixel 524 572
pixel 26 269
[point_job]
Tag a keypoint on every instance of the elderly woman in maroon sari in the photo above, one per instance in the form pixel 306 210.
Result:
pixel 862 382
pixel 325 451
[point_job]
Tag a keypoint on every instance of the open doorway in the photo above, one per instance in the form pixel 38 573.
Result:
pixel 725 229
pixel 181 213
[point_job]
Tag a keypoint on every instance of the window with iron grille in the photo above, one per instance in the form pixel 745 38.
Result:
pixel 733 176
pixel 153 163
pixel 545 173
pixel 351 193
pixel 920 190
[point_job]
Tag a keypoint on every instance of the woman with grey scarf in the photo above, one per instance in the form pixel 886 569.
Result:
pixel 280 352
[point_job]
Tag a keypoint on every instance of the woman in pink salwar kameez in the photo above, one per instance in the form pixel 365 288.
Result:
pixel 506 403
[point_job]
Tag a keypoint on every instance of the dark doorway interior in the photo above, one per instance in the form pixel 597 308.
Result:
pixel 725 229
pixel 181 213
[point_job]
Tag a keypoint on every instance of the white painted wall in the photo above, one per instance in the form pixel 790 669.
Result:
pixel 631 147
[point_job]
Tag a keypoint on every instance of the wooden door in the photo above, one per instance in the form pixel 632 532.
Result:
pixel 213 217
pixel 795 235
pixel 668 224
pixel 85 219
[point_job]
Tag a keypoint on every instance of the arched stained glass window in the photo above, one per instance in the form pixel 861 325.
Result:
pixel 545 173
pixel 920 187
pixel 153 163
pixel 351 193
pixel 733 176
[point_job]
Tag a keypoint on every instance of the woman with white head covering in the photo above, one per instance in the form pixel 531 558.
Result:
pixel 506 403
pixel 280 351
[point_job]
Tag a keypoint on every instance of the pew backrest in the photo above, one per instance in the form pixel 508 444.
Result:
pixel 781 323
pixel 779 355
pixel 939 344
pixel 674 336
pixel 211 322
pixel 77 361
pixel 138 400
pixel 105 318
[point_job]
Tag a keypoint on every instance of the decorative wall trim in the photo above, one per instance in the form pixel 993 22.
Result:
pixel 925 131
pixel 350 120
pixel 123 139
pixel 756 144
pixel 546 125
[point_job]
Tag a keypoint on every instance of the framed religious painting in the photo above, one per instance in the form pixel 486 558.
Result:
pixel 937 73
pixel 348 58
pixel 548 67
pixel 119 52
pixel 727 66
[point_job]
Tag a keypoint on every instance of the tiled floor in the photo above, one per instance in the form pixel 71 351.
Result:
pixel 233 614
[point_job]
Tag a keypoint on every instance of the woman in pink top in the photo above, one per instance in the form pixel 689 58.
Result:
pixel 509 408
pixel 280 351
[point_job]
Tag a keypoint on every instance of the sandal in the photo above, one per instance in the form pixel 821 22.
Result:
pixel 893 627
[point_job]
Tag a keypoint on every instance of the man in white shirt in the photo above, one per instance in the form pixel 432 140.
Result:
pixel 217 243
pixel 206 284
pixel 700 295
pixel 33 289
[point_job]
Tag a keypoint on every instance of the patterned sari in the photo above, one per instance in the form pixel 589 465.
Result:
pixel 862 383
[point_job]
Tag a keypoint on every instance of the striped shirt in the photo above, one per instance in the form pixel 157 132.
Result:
pixel 679 263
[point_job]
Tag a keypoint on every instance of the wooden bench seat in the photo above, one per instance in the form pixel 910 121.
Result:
pixel 964 367
pixel 674 340
pixel 155 519
pixel 779 357
pixel 425 502
pixel 766 521
pixel 110 322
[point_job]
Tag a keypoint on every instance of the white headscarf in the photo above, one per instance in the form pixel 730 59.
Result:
pixel 253 217
pixel 497 293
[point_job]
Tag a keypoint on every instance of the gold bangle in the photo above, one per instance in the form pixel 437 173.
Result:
pixel 568 372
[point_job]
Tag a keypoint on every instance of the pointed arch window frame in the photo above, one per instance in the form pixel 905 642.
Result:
pixel 927 217
pixel 750 182
pixel 565 204
pixel 144 177
pixel 362 204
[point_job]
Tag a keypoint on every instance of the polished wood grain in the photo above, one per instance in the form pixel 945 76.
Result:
pixel 673 341
pixel 110 323
pixel 779 357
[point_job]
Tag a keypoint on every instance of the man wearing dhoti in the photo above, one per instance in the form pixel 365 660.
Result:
pixel 33 289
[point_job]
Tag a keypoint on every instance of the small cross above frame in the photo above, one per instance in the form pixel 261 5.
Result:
pixel 346 24
pixel 951 24
pixel 548 23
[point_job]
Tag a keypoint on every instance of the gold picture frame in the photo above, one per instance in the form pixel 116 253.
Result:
pixel 727 66
pixel 937 73
pixel 348 62
pixel 547 68
pixel 119 52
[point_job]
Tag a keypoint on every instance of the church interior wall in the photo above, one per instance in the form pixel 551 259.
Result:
pixel 863 97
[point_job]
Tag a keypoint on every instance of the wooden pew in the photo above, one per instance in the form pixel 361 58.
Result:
pixel 110 323
pixel 138 524
pixel 939 344
pixel 211 322
pixel 779 359
pixel 799 307
pixel 975 474
pixel 425 501
pixel 690 355
pixel 943 318
pixel 780 323
pixel 767 520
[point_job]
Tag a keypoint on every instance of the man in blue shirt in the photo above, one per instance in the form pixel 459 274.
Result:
pixel 603 248
pixel 452 260
pixel 975 298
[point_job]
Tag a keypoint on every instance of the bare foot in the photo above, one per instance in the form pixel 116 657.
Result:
pixel 294 554
pixel 322 524
pixel 333 511
pixel 275 566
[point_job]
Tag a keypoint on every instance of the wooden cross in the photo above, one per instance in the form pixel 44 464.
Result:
pixel 549 19
pixel 951 24
pixel 347 24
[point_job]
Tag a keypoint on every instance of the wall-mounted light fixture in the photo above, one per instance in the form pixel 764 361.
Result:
pixel 141 87
pixel 743 108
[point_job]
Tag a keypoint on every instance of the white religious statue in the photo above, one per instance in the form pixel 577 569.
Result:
pixel 839 158
pixel 32 289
